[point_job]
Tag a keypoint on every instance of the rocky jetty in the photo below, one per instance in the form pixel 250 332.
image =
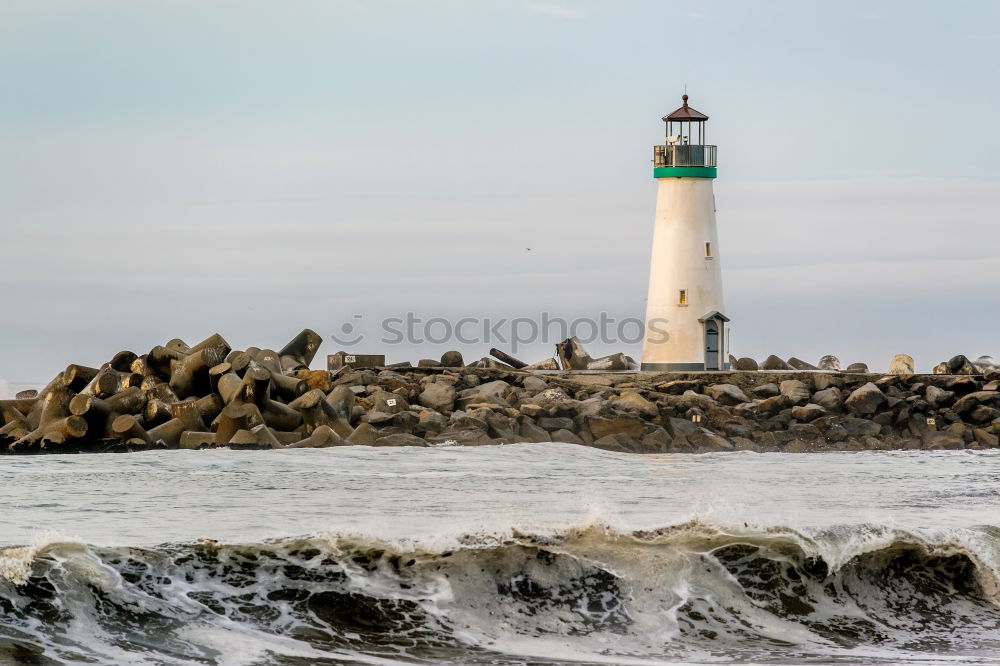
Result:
pixel 209 395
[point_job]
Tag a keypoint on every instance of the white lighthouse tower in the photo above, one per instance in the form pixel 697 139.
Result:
pixel 685 327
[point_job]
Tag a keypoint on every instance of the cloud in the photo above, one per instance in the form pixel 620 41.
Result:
pixel 555 11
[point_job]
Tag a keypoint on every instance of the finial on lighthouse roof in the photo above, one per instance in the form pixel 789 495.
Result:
pixel 686 113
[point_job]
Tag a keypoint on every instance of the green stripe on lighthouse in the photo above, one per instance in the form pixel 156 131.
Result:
pixel 684 172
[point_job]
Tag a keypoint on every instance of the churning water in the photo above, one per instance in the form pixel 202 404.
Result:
pixel 544 553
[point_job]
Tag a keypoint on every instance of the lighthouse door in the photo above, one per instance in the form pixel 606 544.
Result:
pixel 711 345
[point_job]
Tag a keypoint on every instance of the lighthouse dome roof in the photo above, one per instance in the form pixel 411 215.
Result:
pixel 686 113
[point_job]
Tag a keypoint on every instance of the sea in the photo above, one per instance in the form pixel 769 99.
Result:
pixel 517 554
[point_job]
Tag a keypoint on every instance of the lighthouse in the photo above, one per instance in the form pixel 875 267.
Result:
pixel 685 325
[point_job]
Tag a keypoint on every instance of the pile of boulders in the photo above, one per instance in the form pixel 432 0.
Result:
pixel 208 395
pixel 178 396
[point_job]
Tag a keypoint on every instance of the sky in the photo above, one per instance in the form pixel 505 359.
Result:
pixel 255 168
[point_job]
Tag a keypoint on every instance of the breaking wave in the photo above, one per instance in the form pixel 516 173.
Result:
pixel 688 592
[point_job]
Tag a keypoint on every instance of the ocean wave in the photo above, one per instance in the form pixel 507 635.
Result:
pixel 694 592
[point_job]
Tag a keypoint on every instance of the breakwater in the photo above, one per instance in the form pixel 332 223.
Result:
pixel 209 395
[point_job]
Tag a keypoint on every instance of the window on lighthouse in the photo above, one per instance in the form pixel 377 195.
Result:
pixel 708 250
pixel 683 299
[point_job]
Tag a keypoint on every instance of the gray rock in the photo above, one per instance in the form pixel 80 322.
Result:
pixel 937 397
pixel 901 364
pixel 530 432
pixel 430 421
pixel 552 423
pixel 857 368
pixel 828 399
pixel 498 391
pixel 796 391
pixel 341 398
pixel 618 442
pixel 727 394
pixel 632 402
pixel 503 427
pixel 985 439
pixel 822 380
pixel 566 436
pixel 771 406
pixel 534 385
pixel 799 364
pixel 679 386
pixel 768 390
pixel 440 397
pixel 389 403
pixel 452 359
pixel 975 399
pixel 460 420
pixel 936 441
pixel 829 362
pixel 865 400
pixel 400 439
pixel 629 425
pixel 363 435
pixel 807 413
pixel 462 437
pixel 772 362
pixel 747 364
pixel 705 440
pixel 860 427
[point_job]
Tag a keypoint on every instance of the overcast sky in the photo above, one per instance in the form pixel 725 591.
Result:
pixel 253 168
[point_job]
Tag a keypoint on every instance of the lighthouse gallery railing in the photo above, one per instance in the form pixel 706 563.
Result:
pixel 672 155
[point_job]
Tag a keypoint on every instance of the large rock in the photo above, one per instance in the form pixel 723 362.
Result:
pixel 747 364
pixel 534 385
pixel 799 364
pixel 960 365
pixel 529 432
pixel 727 394
pixel 431 422
pixel 797 392
pixel 901 364
pixel 829 362
pixel 400 439
pixel 807 413
pixel 553 423
pixel 972 400
pixel 566 436
pixel 389 403
pixel 768 390
pixel 462 437
pixel 498 391
pixel 452 359
pixel 439 397
pixel 938 397
pixel 857 368
pixel 772 362
pixel 629 425
pixel 865 400
pixel 630 401
pixel 707 441
pixel 341 399
pixel 828 398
